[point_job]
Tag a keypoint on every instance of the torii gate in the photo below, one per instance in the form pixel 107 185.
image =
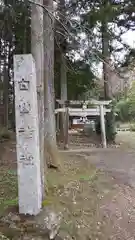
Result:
pixel 84 111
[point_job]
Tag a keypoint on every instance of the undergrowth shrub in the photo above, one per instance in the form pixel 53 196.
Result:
pixel 5 134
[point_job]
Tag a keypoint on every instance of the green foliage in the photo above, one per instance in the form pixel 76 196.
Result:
pixel 95 14
pixel 10 203
pixel 128 10
pixel 15 34
pixel 122 110
pixel 125 108
pixel 131 101
pixel 132 127
pixel 3 237
pixel 79 80
pixel 5 134
pixel 8 189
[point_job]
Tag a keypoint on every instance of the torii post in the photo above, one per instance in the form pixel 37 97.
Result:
pixel 102 124
pixel 101 105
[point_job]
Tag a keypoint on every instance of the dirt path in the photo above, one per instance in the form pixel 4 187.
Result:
pixel 118 160
pixel 116 211
pixel 120 163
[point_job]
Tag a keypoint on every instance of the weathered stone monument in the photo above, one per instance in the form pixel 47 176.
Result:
pixel 27 134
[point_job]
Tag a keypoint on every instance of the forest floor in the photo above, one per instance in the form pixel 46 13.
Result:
pixel 95 192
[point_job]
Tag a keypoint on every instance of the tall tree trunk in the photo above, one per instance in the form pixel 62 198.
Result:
pixel 63 70
pixel 25 36
pixel 110 118
pixel 63 44
pixel 5 79
pixel 5 97
pixel 5 88
pixel 63 77
pixel 38 54
pixel 50 130
pixel 106 58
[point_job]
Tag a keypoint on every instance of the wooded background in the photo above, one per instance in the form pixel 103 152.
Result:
pixel 56 32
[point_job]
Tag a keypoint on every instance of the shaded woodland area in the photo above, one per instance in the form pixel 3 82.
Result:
pixel 68 41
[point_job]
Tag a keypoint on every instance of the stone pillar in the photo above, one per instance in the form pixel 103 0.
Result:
pixel 27 135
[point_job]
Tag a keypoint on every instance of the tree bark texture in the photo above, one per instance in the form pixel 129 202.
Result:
pixel 63 70
pixel 37 48
pixel 49 114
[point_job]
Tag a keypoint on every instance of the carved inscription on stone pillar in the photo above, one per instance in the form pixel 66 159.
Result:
pixel 27 135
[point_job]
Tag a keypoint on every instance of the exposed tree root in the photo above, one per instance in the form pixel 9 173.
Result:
pixel 52 156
